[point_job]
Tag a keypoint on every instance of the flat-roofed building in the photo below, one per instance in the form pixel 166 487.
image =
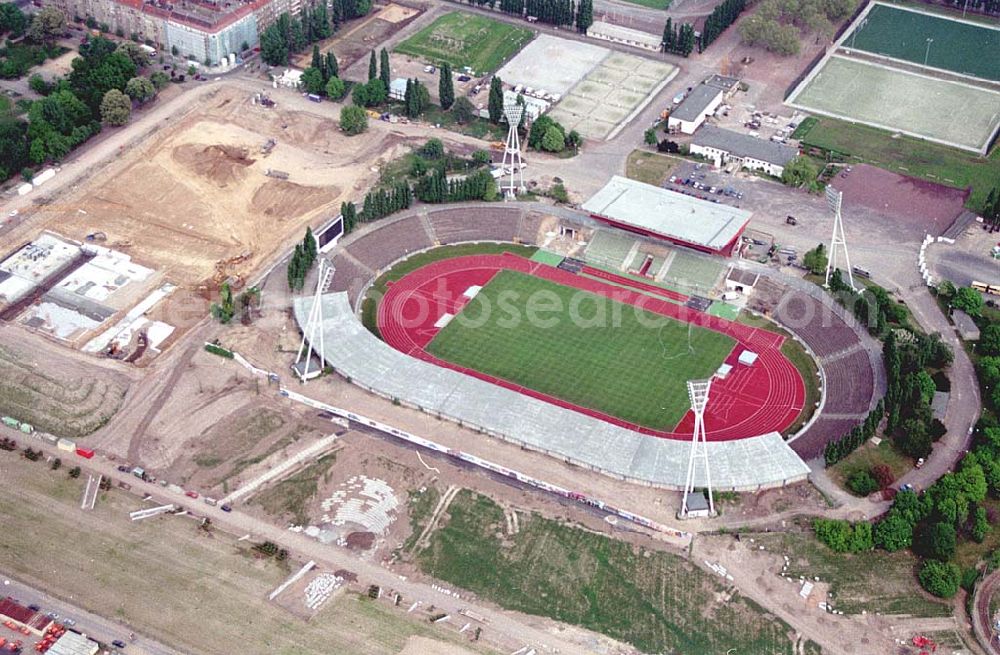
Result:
pixel 664 214
pixel 695 108
pixel 725 146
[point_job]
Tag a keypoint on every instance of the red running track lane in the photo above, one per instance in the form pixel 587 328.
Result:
pixel 766 397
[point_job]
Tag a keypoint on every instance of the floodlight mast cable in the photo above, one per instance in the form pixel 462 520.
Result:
pixel 314 325
pixel 698 393
pixel 513 111
pixel 838 241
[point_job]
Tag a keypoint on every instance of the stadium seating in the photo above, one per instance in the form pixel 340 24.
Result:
pixel 849 384
pixel 390 242
pixel 811 444
pixel 527 230
pixel 609 249
pixel 349 276
pixel 823 330
pixel 483 224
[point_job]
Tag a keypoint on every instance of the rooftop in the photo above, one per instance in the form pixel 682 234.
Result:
pixel 72 643
pixel 696 102
pixel 668 213
pixel 723 82
pixel 744 145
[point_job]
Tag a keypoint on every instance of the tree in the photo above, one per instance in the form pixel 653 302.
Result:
pixel 372 68
pixel 353 120
pixel 940 541
pixel 274 43
pixel 650 137
pixel 116 108
pixel 495 104
pixel 159 80
pixel 584 15
pixel 989 340
pixel 332 67
pixel 335 88
pixel 12 20
pixel 815 260
pixel 914 440
pixel 799 172
pixel 893 533
pixel 75 472
pixel 317 59
pixel 446 86
pixel 56 464
pixel 553 139
pixel 47 26
pixel 573 140
pixel 463 110
pixel 862 483
pixel 384 73
pixel 140 89
pixel 136 54
pixel 312 80
pixel 980 525
pixel 940 578
pixel 968 300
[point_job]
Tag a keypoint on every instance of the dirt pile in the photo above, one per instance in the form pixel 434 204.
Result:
pixel 222 164
pixel 282 198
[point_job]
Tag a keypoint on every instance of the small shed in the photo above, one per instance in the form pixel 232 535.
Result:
pixel 742 281
pixel 965 326
pixel 748 358
pixel 723 371
pixel 697 506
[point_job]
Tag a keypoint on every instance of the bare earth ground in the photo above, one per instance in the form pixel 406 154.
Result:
pixel 198 591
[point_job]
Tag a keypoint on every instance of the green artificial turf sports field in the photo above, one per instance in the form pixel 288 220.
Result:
pixel 461 39
pixel 634 368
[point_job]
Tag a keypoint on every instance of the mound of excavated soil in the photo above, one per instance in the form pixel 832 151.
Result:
pixel 360 540
pixel 282 198
pixel 219 163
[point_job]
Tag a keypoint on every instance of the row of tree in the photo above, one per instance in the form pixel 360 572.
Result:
pixel 778 25
pixel 991 210
pixel 841 448
pixel 555 12
pixel 678 39
pixel 291 34
pixel 722 16
pixel 303 258
pixel 381 202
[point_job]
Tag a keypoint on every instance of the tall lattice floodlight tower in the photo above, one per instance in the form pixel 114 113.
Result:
pixel 313 330
pixel 698 393
pixel 838 242
pixel 513 112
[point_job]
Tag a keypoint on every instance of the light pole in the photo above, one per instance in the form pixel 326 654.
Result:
pixel 928 53
pixel 854 35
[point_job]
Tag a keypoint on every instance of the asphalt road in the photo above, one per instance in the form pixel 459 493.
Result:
pixel 96 627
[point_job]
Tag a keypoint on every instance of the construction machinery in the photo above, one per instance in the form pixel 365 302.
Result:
pixel 268 146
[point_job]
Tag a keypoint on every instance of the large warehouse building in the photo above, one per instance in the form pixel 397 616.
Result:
pixel 663 214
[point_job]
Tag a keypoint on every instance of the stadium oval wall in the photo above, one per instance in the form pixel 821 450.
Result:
pixel 753 463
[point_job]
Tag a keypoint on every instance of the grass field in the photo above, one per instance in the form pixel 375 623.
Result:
pixel 898 100
pixel 906 155
pixel 874 581
pixel 635 370
pixel 656 601
pixel 462 39
pixel 903 34
pixel 290 498
pixel 649 167
pixel 369 305
pixel 198 593
pixel 868 456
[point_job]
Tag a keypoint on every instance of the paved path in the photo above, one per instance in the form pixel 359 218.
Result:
pixel 982 622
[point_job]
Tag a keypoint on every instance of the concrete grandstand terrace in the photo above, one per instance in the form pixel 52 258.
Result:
pixel 766 397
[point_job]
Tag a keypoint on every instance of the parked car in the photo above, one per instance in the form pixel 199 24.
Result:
pixel 118 643
pixel 464 78
pixel 227 508
pixel 34 608
pixel 920 463
pixel 191 494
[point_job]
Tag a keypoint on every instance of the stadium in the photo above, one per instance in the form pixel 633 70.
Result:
pixel 555 331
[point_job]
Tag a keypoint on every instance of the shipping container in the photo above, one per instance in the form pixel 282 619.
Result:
pixel 86 453
pixel 66 444
pixel 315 98
pixel 43 177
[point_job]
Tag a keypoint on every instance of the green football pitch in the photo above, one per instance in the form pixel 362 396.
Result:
pixel 956 46
pixel 550 338
pixel 481 43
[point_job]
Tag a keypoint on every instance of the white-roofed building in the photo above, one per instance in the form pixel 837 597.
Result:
pixel 664 214
pixel 72 643
pixel 702 102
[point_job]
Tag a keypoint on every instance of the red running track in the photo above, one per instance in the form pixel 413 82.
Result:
pixel 765 397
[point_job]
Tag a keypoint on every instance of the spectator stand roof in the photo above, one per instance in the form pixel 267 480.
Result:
pixel 660 212
pixel 758 461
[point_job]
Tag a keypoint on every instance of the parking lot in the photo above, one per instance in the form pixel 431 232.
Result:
pixel 702 181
